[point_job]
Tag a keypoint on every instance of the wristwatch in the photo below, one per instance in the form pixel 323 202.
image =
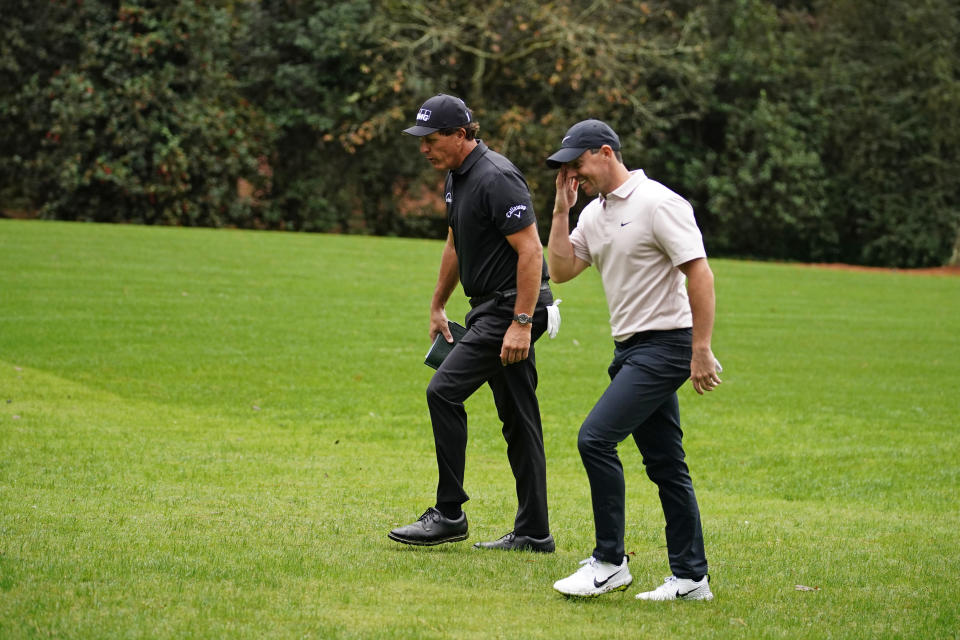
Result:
pixel 522 318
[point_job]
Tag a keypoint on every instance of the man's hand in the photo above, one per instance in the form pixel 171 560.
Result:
pixel 703 371
pixel 516 344
pixel 439 324
pixel 566 192
pixel 703 366
pixel 564 264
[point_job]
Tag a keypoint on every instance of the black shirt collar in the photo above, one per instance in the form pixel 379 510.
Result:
pixel 472 158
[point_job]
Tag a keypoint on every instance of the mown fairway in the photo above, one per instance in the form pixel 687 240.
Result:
pixel 209 433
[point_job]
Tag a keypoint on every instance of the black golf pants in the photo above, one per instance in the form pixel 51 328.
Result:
pixel 475 361
pixel 642 401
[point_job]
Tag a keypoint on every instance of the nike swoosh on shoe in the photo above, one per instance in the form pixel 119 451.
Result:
pixel 597 585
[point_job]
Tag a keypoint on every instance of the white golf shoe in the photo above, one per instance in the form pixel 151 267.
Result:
pixel 674 588
pixel 594 578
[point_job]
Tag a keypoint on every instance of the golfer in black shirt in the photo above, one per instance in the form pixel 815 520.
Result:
pixel 493 249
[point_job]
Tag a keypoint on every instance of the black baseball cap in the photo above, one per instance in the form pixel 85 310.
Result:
pixel 588 134
pixel 440 112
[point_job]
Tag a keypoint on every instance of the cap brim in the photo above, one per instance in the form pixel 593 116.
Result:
pixel 563 156
pixel 420 131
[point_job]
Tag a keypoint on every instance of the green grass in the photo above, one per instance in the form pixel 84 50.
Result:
pixel 209 433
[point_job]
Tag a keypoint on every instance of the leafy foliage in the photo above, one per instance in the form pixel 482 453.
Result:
pixel 891 96
pixel 800 130
pixel 303 70
pixel 144 122
pixel 529 70
pixel 760 181
pixel 34 38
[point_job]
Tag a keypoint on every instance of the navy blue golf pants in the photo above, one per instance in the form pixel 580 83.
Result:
pixel 641 401
pixel 475 361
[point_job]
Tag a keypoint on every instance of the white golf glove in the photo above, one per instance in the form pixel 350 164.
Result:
pixel 553 318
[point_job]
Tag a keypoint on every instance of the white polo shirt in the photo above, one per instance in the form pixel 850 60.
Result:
pixel 636 237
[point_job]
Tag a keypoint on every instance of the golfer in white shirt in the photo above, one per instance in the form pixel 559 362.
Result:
pixel 643 239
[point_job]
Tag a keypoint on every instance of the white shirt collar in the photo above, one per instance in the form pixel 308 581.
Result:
pixel 623 191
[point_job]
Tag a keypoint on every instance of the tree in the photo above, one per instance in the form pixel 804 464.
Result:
pixel 143 122
pixel 799 129
pixel 35 37
pixel 891 113
pixel 529 70
pixel 752 164
pixel 304 67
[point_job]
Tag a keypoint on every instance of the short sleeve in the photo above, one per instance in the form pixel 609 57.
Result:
pixel 509 203
pixel 676 231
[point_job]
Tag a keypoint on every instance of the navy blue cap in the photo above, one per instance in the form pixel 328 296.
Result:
pixel 440 112
pixel 588 134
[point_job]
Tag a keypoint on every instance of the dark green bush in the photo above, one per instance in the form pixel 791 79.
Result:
pixel 142 120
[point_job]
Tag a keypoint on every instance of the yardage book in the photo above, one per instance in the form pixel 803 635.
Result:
pixel 440 347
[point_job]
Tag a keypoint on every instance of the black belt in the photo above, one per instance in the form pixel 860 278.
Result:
pixel 640 336
pixel 506 293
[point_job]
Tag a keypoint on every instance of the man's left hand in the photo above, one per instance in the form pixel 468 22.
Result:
pixel 516 344
pixel 703 371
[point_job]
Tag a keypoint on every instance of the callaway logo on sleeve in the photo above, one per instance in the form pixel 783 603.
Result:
pixel 517 210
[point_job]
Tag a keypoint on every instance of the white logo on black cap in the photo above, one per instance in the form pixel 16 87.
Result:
pixel 424 114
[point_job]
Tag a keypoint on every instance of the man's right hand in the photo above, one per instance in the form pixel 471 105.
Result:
pixel 439 324
pixel 566 192
pixel 562 261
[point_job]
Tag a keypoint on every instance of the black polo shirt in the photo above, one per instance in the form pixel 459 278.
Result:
pixel 487 200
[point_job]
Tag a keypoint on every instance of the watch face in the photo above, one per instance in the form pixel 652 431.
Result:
pixel 522 318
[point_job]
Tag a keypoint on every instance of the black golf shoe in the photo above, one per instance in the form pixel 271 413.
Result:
pixel 432 528
pixel 514 542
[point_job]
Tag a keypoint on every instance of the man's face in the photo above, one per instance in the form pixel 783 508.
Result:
pixel 590 170
pixel 443 152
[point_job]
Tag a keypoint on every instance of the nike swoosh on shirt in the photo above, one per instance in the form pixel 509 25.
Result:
pixel 597 585
pixel 623 224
